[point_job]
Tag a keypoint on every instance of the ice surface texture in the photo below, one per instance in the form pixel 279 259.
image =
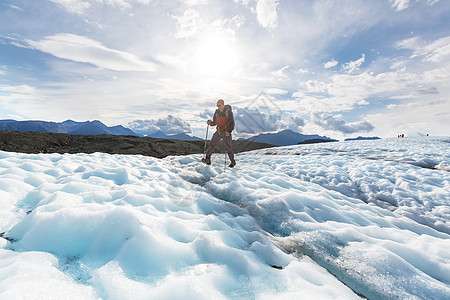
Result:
pixel 312 221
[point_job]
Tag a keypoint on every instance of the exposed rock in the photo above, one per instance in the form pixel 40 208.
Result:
pixel 44 142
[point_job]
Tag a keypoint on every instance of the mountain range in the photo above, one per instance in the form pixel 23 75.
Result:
pixel 71 127
pixel 282 138
pixel 286 138
pixel 85 128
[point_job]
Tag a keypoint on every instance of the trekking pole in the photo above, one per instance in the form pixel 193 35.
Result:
pixel 206 139
pixel 225 164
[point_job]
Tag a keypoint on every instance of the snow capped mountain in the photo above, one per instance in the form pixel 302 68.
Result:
pixel 285 138
pixel 322 221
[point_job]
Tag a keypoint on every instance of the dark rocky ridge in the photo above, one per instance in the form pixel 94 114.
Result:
pixel 45 142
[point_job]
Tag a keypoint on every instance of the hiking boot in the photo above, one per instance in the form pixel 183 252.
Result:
pixel 232 164
pixel 206 161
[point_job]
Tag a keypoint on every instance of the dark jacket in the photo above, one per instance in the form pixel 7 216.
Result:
pixel 224 120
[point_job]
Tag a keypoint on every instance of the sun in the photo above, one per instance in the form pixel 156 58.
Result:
pixel 216 56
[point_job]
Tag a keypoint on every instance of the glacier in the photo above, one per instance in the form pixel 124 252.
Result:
pixel 340 220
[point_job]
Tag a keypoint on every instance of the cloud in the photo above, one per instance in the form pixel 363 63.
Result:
pixel 77 7
pixel 330 64
pixel 329 122
pixel 436 51
pixel 280 73
pixel 20 89
pixel 352 66
pixel 302 71
pixel 253 120
pixel 427 91
pixel 82 49
pixel 177 62
pixel 193 2
pixel 400 4
pixel 19 100
pixel 293 123
pixel 327 104
pixel 169 125
pixel 413 118
pixel 259 120
pixel 405 4
pixel 266 11
pixel 187 24
pixel 16 7
pixel 314 86
pixel 206 115
pixel 275 91
pixel 312 38
pixel 411 80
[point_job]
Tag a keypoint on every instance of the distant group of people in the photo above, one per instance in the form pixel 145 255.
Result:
pixel 403 135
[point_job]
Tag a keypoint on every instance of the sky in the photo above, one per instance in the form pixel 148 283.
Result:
pixel 336 68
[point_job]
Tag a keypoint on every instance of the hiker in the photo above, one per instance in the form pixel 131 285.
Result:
pixel 223 119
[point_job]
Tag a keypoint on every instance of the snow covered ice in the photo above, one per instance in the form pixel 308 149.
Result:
pixel 323 221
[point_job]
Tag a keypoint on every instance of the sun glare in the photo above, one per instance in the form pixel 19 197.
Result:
pixel 216 57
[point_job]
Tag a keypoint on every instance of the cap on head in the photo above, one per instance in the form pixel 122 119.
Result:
pixel 221 102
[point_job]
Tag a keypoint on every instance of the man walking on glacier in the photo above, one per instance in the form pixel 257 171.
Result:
pixel 224 120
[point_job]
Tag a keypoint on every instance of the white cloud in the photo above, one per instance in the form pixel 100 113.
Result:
pixel 435 51
pixel 19 100
pixel 73 6
pixel 352 66
pixel 314 86
pixel 226 26
pixel 410 43
pixel 257 120
pixel 413 118
pixel 82 49
pixel 168 125
pixel 330 64
pixel 275 91
pixel 298 94
pixel 400 4
pixel 80 7
pixel 16 7
pixel 326 104
pixel 254 120
pixel 412 79
pixel 267 15
pixel 302 71
pixel 244 2
pixel 187 24
pixel 308 33
pixel 178 62
pixel 280 73
pixel 329 122
pixel 20 89
pixel 193 2
pixel 294 123
pixel 120 3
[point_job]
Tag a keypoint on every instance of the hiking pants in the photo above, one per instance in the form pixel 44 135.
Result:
pixel 217 136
